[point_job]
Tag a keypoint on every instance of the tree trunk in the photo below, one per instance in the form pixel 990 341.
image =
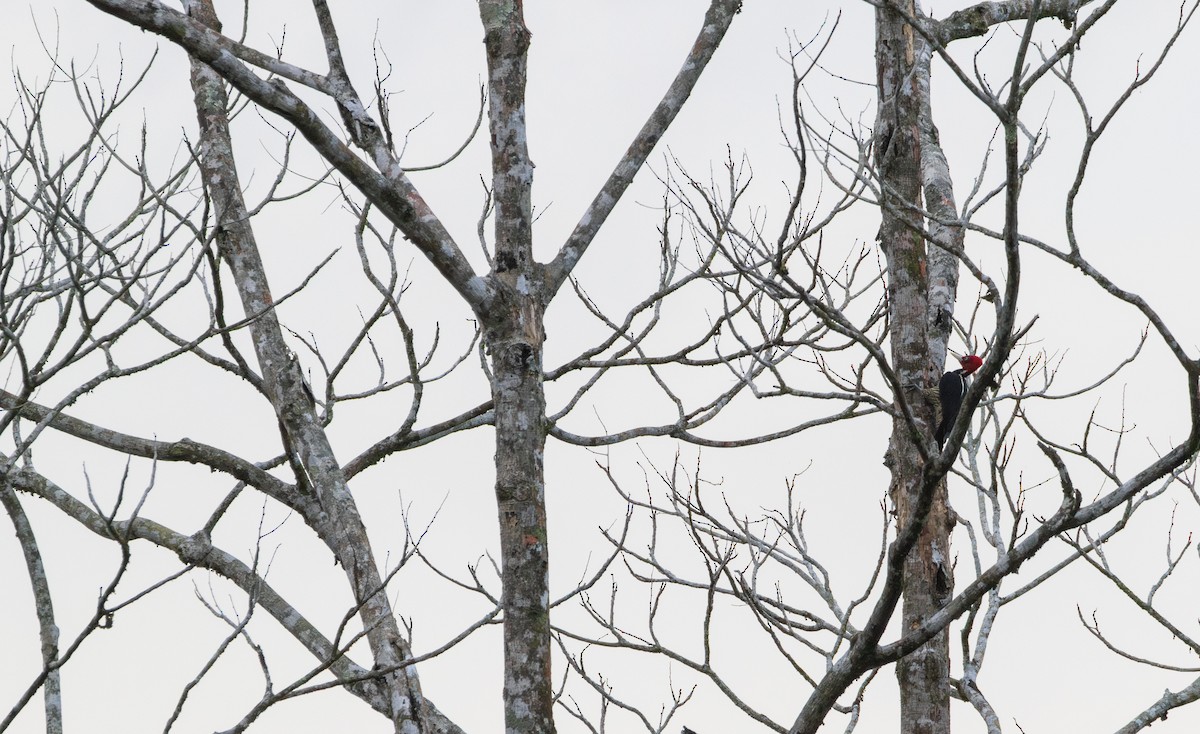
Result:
pixel 513 333
pixel 520 407
pixel 924 674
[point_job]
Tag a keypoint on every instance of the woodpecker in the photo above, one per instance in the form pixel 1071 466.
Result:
pixel 950 392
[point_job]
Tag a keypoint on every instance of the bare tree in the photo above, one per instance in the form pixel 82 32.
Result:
pixel 834 642
pixel 136 271
pixel 797 317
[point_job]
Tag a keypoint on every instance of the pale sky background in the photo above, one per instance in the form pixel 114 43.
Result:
pixel 596 70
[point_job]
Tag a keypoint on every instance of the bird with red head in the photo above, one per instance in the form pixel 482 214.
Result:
pixel 951 389
pixel 970 363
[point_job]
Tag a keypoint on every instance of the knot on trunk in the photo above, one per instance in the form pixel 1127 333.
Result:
pixel 506 32
pixel 520 356
pixel 506 261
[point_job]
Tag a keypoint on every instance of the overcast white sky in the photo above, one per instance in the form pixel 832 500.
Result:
pixel 596 70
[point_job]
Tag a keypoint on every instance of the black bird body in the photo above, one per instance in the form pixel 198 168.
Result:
pixel 951 389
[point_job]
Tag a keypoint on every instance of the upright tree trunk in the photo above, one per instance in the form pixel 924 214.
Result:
pixel 513 333
pixel 924 674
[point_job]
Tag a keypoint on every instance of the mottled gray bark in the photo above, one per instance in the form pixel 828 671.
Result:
pixel 945 231
pixel 978 19
pixel 917 568
pixel 336 519
pixel 513 334
pixel 44 606
pixel 927 583
pixel 1159 709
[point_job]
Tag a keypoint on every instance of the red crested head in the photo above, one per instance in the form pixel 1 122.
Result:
pixel 970 363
